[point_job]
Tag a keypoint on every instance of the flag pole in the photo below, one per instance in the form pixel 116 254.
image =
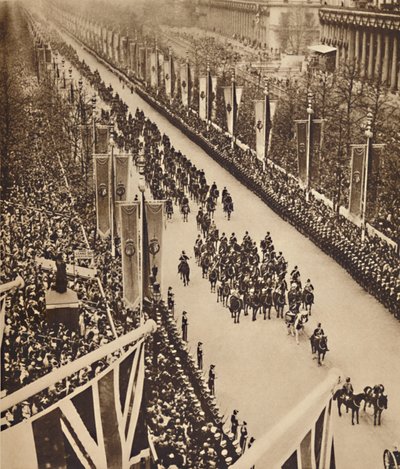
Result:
pixel 310 113
pixel 369 134
pixel 112 143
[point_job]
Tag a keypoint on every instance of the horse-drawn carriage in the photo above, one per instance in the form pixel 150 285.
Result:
pixel 391 459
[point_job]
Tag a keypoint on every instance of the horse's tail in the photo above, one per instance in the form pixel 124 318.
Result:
pixel 367 389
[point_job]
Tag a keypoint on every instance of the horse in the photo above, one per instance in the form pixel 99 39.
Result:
pixel 184 271
pixel 295 323
pixel 235 306
pixel 319 345
pixel 228 207
pixel 255 303
pixel 352 402
pixel 170 210
pixel 375 397
pixel 205 264
pixel 213 277
pixel 279 302
pixel 185 210
pixel 224 291
pixel 308 300
pixel 266 300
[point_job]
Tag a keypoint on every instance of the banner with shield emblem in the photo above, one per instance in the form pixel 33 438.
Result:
pixel 102 178
pixel 129 212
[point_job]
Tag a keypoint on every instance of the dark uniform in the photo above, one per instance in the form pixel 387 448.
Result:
pixel 211 380
pixel 243 437
pixel 234 424
pixel 170 298
pixel 184 326
pixel 200 356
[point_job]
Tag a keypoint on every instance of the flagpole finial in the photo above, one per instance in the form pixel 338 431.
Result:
pixel 208 66
pixel 187 56
pixel 233 76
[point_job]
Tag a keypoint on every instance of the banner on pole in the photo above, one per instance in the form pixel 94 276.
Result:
pixel 185 79
pixel 129 216
pixel 203 98
pixel 260 129
pixel 154 70
pixel 301 132
pixel 102 178
pixel 358 153
pixel 168 76
pixel 121 176
pixel 153 248
pixel 316 134
pixel 375 162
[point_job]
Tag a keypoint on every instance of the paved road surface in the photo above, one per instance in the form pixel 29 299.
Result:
pixel 260 370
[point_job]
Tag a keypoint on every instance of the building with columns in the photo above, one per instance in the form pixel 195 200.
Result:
pixel 367 37
pixel 259 22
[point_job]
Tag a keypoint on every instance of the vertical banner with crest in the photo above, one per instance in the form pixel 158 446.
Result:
pixel 160 68
pixel 232 96
pixel 142 63
pixel 102 139
pixel 185 84
pixel 154 69
pixel 153 226
pixel 203 98
pixel 132 57
pixel 102 178
pixel 168 76
pixel 129 216
pixel 301 132
pixel 121 176
pixel 358 153
pixel 213 98
pixel 316 134
pixel 260 129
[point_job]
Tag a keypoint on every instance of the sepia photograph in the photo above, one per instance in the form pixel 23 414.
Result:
pixel 200 234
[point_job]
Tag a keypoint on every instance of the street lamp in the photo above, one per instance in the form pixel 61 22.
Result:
pixel 310 112
pixel 369 134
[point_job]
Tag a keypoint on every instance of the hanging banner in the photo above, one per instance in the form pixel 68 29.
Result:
pixel 259 107
pixel 132 57
pixel 357 178
pixel 375 161
pixel 142 63
pixel 229 108
pixel 121 176
pixel 168 76
pixel 130 248
pixel 203 98
pixel 185 84
pixel 102 178
pixel 154 70
pixel 213 98
pixel 152 240
pixel 160 68
pixel 301 132
pixel 148 65
pixel 316 133
pixel 101 142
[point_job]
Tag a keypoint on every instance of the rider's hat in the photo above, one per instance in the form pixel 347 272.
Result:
pixel 347 380
pixel 319 324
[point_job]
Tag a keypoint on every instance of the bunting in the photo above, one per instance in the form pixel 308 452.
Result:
pixel 129 213
pixel 303 439
pixel 102 178
pixel 99 425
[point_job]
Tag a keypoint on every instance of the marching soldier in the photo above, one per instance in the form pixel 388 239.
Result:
pixel 170 298
pixel 243 437
pixel 211 380
pixel 200 355
pixel 184 326
pixel 234 423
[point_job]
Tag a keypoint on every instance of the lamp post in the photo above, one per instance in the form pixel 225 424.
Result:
pixel 310 112
pixel 369 134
